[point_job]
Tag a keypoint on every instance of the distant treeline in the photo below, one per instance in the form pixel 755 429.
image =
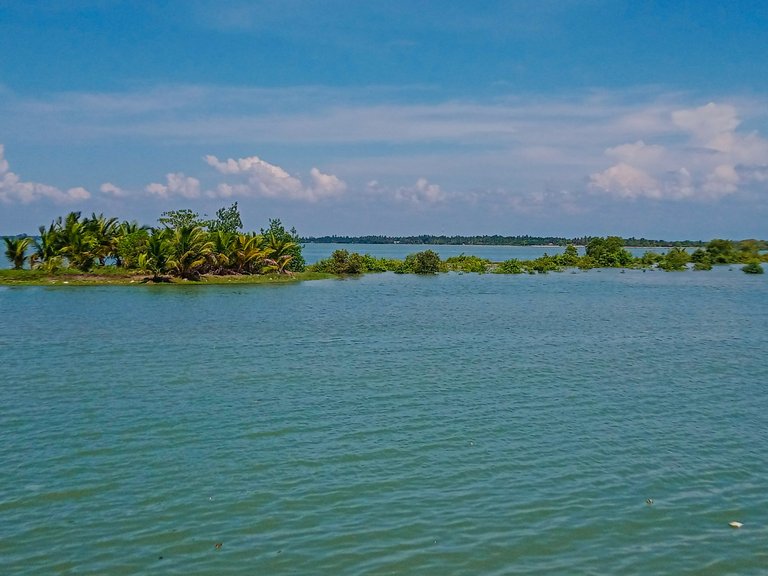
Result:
pixel 494 240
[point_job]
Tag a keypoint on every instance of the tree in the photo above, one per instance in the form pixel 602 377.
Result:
pixel 426 262
pixel 701 260
pixel 675 259
pixel 131 242
pixel 45 249
pixel 721 251
pixel 184 218
pixel 223 250
pixel 248 253
pixel 16 250
pixel 277 235
pixel 190 251
pixel 156 255
pixel 105 232
pixel 609 252
pixel 76 242
pixel 227 220
pixel 570 257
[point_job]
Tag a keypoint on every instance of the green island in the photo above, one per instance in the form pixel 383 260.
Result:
pixel 188 249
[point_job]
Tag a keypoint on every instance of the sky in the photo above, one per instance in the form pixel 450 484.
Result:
pixel 396 117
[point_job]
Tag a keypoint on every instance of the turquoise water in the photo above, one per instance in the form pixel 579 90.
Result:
pixel 455 424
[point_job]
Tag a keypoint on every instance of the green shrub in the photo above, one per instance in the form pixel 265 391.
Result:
pixel 465 263
pixel 752 268
pixel 512 266
pixel 426 262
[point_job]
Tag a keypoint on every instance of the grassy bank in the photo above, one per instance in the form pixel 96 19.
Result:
pixel 120 277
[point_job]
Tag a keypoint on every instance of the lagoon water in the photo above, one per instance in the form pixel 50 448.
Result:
pixel 451 424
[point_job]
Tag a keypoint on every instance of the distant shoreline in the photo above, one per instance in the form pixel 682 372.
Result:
pixel 496 240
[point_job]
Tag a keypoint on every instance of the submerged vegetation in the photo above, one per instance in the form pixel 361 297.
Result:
pixel 187 248
pixel 607 252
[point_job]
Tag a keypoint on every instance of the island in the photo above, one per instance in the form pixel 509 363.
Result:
pixel 187 248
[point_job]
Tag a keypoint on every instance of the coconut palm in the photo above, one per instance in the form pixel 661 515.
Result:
pixel 191 250
pixel 223 250
pixel 16 250
pixel 78 244
pixel 105 234
pixel 45 247
pixel 279 246
pixel 278 264
pixel 249 253
pixel 156 255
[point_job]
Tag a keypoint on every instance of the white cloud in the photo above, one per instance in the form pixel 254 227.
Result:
pixel 260 178
pixel 420 193
pixel 13 189
pixel 709 124
pixel 626 181
pixel 109 189
pixel 177 184
pixel 716 159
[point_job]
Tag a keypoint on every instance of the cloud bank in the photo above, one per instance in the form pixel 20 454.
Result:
pixel 714 161
pixel 13 189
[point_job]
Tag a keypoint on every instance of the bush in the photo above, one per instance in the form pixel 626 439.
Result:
pixel 426 262
pixel 341 262
pixel 752 268
pixel 512 266
pixel 464 263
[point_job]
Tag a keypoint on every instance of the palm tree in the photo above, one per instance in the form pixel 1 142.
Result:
pixel 156 255
pixel 45 248
pixel 223 250
pixel 130 242
pixel 281 253
pixel 105 234
pixel 16 249
pixel 190 251
pixel 249 253
pixel 278 264
pixel 278 245
pixel 79 245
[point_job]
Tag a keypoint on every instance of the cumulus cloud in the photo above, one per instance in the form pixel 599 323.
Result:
pixel 176 184
pixel 109 189
pixel 716 161
pixel 13 189
pixel 258 177
pixel 420 193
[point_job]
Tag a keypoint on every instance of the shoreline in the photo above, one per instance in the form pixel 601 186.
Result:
pixel 9 277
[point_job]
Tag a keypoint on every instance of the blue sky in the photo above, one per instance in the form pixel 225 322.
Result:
pixel 566 117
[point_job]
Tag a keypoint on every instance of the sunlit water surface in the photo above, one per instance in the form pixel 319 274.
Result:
pixel 455 424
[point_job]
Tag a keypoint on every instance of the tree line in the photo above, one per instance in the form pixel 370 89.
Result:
pixel 183 245
pixel 497 240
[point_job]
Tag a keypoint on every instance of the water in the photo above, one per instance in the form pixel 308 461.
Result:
pixel 314 252
pixel 455 424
